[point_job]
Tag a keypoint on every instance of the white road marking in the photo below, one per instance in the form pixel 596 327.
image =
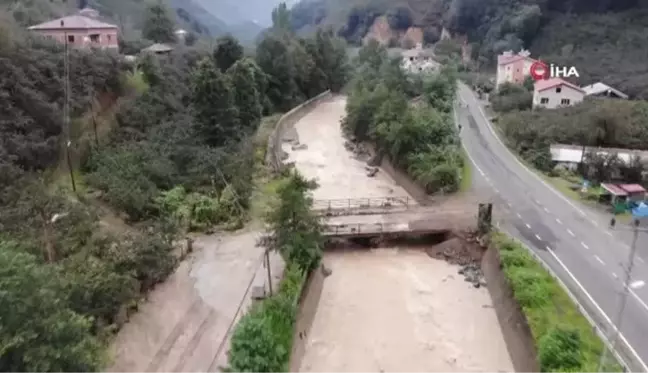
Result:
pixel 538 202
pixel 558 221
pixel 538 237
pixel 571 233
pixel 509 204
pixel 614 275
pixel 584 245
pixel 518 215
pixel 641 259
pixel 637 284
pixel 599 259
pixel 560 262
pixel 641 301
pixel 528 226
pixel 472 160
pixel 496 190
pixel 492 131
pixel 608 233
pixel 595 223
pixel 546 210
pixel 599 309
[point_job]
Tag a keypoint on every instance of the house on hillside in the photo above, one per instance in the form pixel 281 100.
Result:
pixel 81 30
pixel 603 90
pixel 513 68
pixel 555 92
pixel 418 60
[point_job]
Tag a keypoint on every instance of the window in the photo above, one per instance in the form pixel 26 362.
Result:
pixel 411 58
pixel 109 37
pixel 544 100
pixel 518 70
pixel 559 89
pixel 565 101
pixel 94 38
pixel 70 38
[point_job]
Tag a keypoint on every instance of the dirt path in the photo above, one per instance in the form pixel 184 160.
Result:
pixel 385 309
pixel 183 325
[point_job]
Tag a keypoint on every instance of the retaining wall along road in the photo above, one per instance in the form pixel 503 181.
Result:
pixel 515 327
pixel 274 154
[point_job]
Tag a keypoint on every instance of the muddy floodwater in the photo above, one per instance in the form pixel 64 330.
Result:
pixel 387 309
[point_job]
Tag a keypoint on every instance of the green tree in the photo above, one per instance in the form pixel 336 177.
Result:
pixel 281 18
pixel 39 332
pixel 296 230
pixel 246 95
pixel 159 25
pixel 275 59
pixel 214 103
pixel 228 51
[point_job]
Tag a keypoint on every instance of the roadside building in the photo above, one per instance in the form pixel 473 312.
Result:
pixel 81 30
pixel 555 92
pixel 569 156
pixel 603 90
pixel 513 68
pixel 419 60
pixel 620 193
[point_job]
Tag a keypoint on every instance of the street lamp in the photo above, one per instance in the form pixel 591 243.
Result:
pixel 637 213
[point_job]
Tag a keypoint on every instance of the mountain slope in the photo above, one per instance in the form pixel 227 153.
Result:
pixel 235 12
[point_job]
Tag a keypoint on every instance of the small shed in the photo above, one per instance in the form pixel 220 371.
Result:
pixel 635 192
pixel 624 192
pixel 158 48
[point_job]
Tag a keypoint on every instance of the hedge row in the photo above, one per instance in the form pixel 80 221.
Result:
pixel 564 338
pixel 262 340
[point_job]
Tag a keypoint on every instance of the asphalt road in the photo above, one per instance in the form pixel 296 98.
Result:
pixel 573 240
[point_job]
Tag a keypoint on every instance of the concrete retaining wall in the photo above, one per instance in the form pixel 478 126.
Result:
pixel 515 328
pixel 308 303
pixel 274 155
pixel 405 181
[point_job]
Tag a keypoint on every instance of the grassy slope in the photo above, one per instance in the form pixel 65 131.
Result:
pixel 545 303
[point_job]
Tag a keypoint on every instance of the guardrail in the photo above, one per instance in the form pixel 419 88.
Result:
pixel 363 203
pixel 364 228
pixel 274 152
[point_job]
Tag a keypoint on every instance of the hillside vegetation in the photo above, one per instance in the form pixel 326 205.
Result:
pixel 176 152
pixel 604 39
pixel 420 139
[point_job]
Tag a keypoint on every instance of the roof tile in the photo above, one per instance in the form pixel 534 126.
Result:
pixel 72 22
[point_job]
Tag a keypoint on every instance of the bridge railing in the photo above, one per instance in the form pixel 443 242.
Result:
pixel 364 203
pixel 363 228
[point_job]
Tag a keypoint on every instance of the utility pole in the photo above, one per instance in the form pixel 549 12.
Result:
pixel 623 298
pixel 267 260
pixel 66 110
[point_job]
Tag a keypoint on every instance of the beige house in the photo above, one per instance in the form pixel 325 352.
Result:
pixel 555 92
pixel 419 60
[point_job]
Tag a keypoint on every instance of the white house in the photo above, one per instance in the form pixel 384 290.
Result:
pixel 513 68
pixel 555 92
pixel 603 90
pixel 418 60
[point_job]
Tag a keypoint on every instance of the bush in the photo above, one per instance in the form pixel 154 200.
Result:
pixel 560 350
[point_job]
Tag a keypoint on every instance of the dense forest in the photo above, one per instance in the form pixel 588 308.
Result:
pixel 158 147
pixel 419 138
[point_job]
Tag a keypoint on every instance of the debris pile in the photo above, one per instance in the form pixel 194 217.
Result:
pixel 472 273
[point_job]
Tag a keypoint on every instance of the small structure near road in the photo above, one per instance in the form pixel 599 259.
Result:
pixel 603 90
pixel 619 193
pixel 569 156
